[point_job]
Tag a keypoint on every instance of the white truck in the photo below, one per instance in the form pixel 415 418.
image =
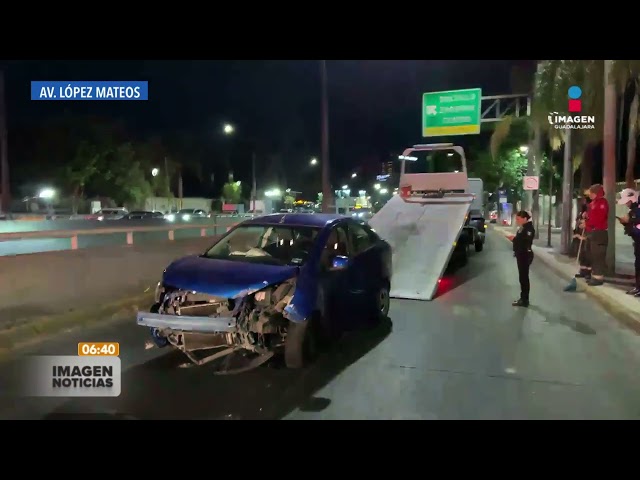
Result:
pixel 429 222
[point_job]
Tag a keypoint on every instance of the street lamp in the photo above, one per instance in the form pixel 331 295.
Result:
pixel 345 187
pixel 314 161
pixel 228 128
pixel 377 186
pixel 354 175
pixel 273 193
pixel 46 193
pixel 384 191
pixel 154 172
pixel 524 149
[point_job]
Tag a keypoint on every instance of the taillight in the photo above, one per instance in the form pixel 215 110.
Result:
pixel 405 191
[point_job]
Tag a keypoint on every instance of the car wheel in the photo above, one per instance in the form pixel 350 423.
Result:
pixel 479 245
pixel 383 302
pixel 301 343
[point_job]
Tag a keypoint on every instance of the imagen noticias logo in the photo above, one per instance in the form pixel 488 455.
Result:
pixel 575 104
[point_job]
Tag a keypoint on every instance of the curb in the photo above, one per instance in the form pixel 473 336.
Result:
pixel 625 316
pixel 37 329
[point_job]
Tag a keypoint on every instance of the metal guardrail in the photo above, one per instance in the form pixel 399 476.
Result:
pixel 129 231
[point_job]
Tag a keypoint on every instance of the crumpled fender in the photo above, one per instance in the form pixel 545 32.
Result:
pixel 304 300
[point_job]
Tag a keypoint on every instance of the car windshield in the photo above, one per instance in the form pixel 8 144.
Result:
pixel 268 244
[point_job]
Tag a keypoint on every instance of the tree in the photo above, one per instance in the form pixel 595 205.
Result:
pixel 80 170
pixel 552 81
pixel 129 177
pixel 505 169
pixel 626 73
pixel 232 192
pixel 153 154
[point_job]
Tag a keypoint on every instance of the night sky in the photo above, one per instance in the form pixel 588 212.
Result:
pixel 374 104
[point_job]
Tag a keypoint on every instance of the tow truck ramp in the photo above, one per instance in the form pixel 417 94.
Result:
pixel 422 239
pixel 423 222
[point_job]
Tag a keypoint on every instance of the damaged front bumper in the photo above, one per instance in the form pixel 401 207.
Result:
pixel 178 323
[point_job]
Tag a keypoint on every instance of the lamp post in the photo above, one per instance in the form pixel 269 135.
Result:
pixel 327 194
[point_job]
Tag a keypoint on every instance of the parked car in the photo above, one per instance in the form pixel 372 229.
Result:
pixel 108 214
pixel 273 284
pixel 142 215
pixel 187 214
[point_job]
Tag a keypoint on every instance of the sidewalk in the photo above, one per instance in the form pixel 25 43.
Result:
pixel 611 295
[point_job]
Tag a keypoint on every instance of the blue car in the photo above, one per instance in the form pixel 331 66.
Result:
pixel 276 283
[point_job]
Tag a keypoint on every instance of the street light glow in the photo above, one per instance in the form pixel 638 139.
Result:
pixel 46 193
pixel 314 161
pixel 524 149
pixel 384 191
pixel 345 187
pixel 228 128
pixel 275 192
pixel 155 172
pixel 377 186
pixel 354 175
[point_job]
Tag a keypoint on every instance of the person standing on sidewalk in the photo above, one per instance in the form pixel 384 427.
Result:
pixel 523 251
pixel 576 249
pixel 597 237
pixel 631 222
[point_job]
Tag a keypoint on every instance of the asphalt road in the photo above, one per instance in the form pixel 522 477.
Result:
pixel 466 355
pixel 38 245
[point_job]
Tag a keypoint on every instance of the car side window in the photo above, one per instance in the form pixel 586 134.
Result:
pixel 337 244
pixel 361 238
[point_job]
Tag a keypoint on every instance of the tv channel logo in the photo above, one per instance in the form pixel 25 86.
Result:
pixel 575 104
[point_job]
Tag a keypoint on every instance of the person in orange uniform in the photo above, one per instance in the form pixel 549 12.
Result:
pixel 597 237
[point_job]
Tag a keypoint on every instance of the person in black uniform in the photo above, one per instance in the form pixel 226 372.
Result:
pixel 631 224
pixel 523 251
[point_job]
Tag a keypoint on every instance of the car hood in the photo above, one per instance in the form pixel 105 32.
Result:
pixel 223 278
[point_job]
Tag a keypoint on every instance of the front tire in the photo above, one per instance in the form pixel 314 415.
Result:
pixel 479 245
pixel 301 344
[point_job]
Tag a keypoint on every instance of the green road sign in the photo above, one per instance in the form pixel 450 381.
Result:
pixel 456 112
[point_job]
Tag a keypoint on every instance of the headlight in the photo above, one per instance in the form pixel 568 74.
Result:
pixel 186 217
pixel 171 217
pixel 100 218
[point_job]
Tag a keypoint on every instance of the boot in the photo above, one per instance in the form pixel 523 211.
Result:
pixel 520 303
pixel 595 282
pixel 633 291
pixel 584 273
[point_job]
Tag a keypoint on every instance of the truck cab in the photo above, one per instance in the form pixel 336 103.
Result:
pixel 445 178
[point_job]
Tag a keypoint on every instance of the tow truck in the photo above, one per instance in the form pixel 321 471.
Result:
pixel 436 217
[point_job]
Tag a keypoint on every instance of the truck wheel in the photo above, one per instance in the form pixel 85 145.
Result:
pixel 479 245
pixel 300 346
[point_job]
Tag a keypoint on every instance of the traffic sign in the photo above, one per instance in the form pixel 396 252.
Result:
pixel 531 183
pixel 456 112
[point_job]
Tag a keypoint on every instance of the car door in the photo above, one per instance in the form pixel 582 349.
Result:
pixel 335 289
pixel 365 274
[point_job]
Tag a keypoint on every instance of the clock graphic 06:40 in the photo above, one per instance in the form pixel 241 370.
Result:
pixel 98 349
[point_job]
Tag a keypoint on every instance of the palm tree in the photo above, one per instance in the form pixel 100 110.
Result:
pixel 552 81
pixel 626 74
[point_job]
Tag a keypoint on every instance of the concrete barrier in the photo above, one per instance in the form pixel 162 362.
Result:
pixel 52 236
pixel 53 283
